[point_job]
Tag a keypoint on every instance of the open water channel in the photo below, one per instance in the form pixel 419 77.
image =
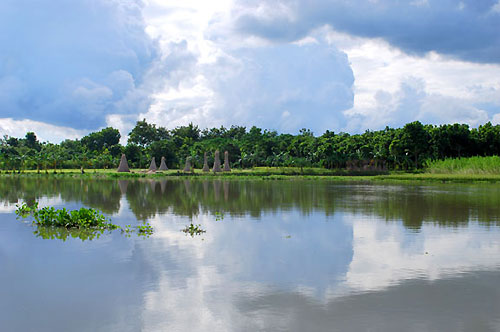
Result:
pixel 276 256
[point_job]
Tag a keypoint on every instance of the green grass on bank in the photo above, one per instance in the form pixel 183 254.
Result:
pixel 275 173
pixel 466 166
pixel 256 171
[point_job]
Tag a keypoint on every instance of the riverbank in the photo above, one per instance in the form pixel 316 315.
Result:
pixel 269 173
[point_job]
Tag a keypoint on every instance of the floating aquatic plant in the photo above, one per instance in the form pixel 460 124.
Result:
pixel 193 230
pixel 219 216
pixel 84 223
pixel 145 230
pixel 84 218
pixel 25 210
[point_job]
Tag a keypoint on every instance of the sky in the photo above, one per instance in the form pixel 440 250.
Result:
pixel 69 67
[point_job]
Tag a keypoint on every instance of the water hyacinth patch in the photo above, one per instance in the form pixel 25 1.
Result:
pixel 144 230
pixel 24 210
pixel 219 216
pixel 193 230
pixel 82 218
pixel 56 223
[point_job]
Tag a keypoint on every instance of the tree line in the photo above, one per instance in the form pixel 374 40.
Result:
pixel 403 148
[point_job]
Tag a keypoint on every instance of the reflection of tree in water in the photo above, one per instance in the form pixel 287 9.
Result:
pixel 413 205
pixel 97 193
pixel 447 205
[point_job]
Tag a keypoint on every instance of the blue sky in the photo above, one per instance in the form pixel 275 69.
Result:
pixel 70 67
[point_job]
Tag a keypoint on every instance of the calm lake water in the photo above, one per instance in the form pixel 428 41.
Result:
pixel 285 256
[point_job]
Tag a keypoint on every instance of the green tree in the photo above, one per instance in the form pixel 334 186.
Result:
pixel 32 142
pixel 415 139
pixel 143 134
pixel 100 140
pixel 135 155
pixel 164 148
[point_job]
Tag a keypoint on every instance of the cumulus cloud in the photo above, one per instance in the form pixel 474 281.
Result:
pixel 265 63
pixel 72 63
pixel 284 65
pixel 466 30
pixel 282 87
pixel 226 79
pixel 393 88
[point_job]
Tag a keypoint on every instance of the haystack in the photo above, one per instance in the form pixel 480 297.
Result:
pixel 226 162
pixel 123 167
pixel 205 163
pixel 217 162
pixel 152 167
pixel 163 165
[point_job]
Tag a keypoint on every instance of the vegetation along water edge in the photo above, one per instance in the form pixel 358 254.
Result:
pixel 451 152
pixel 278 174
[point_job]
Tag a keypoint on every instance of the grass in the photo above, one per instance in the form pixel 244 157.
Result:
pixel 255 171
pixel 466 166
pixel 477 169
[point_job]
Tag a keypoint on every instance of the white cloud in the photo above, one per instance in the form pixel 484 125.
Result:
pixel 392 88
pixel 44 131
pixel 496 119
pixel 239 80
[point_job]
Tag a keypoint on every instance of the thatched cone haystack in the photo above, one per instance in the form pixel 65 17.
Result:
pixel 226 162
pixel 187 167
pixel 163 165
pixel 205 163
pixel 217 162
pixel 152 167
pixel 123 167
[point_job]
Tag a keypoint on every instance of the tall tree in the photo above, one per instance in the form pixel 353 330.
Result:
pixel 415 139
pixel 143 134
pixel 100 140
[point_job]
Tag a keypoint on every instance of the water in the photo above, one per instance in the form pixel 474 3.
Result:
pixel 276 256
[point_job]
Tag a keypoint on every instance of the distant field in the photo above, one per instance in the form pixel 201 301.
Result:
pixel 466 166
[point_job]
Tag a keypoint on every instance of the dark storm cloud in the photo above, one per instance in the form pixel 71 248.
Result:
pixel 467 30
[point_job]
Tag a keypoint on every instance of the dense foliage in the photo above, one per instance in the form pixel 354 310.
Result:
pixel 408 147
